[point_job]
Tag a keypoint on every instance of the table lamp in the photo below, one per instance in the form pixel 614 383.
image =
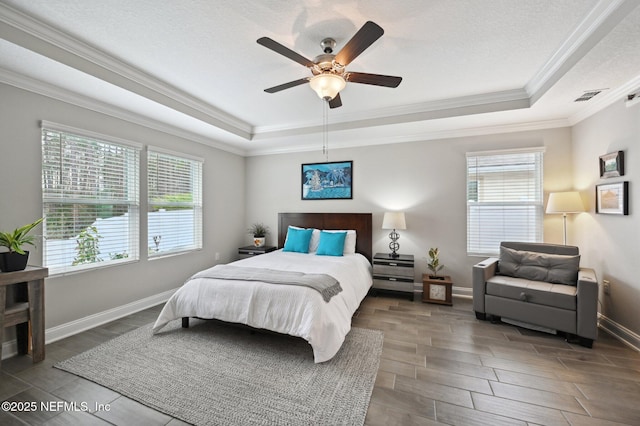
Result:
pixel 394 220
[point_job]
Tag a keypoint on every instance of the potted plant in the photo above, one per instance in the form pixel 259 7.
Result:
pixel 436 288
pixel 259 232
pixel 434 263
pixel 16 258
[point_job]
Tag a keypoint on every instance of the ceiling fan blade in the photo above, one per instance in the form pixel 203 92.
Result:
pixel 288 85
pixel 335 102
pixel 364 38
pixel 375 79
pixel 285 51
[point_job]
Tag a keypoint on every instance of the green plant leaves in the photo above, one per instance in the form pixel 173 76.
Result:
pixel 434 262
pixel 15 240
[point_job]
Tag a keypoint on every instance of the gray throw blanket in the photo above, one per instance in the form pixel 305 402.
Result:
pixel 325 284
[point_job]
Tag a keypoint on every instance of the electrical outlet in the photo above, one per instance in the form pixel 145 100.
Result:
pixel 607 286
pixel 217 256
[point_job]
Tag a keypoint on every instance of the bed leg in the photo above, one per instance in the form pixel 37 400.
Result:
pixel 185 322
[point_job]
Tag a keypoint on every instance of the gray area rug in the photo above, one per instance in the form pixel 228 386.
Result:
pixel 220 374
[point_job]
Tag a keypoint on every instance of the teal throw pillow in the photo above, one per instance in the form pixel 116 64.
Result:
pixel 297 240
pixel 331 243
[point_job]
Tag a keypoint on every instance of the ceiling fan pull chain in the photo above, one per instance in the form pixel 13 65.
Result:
pixel 325 129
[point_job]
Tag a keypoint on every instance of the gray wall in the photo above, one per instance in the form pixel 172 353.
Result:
pixel 79 295
pixel 611 244
pixel 425 179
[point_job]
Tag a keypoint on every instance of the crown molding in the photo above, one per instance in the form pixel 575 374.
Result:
pixel 34 35
pixel 420 137
pixel 45 89
pixel 597 24
pixel 517 95
pixel 51 91
pixel 465 105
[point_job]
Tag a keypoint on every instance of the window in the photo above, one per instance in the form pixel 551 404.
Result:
pixel 175 203
pixel 504 199
pixel 90 199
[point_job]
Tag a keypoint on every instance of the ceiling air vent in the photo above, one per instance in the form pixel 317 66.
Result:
pixel 633 99
pixel 587 95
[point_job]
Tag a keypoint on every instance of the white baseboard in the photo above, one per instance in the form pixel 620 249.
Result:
pixel 9 349
pixel 620 332
pixel 53 334
pixel 465 292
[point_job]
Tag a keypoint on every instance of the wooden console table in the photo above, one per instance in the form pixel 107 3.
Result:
pixel 26 308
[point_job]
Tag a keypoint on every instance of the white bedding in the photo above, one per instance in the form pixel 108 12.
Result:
pixel 298 311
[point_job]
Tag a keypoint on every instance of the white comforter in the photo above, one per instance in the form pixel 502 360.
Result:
pixel 298 311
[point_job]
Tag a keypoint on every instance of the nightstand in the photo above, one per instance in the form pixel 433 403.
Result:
pixel 393 273
pixel 249 251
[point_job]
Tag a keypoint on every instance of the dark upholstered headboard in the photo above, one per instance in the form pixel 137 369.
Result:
pixel 361 222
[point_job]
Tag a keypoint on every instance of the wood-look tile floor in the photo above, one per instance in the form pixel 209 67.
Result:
pixel 439 366
pixel 442 366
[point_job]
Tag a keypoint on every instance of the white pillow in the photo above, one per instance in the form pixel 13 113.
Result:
pixel 315 241
pixel 349 241
pixel 315 238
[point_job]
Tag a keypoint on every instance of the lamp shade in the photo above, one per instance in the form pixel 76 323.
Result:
pixel 394 220
pixel 565 202
pixel 327 85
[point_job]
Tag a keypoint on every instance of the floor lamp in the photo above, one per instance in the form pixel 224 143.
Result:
pixel 564 202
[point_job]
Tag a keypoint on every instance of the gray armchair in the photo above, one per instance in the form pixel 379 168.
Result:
pixel 539 284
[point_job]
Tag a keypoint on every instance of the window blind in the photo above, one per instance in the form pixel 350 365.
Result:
pixel 90 195
pixel 174 218
pixel 504 199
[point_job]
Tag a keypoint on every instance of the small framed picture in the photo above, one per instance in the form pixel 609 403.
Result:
pixel 613 198
pixel 612 165
pixel 327 181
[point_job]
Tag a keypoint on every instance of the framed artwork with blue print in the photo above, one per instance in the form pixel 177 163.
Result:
pixel 327 181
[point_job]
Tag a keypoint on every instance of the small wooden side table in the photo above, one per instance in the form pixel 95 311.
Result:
pixel 21 312
pixel 435 290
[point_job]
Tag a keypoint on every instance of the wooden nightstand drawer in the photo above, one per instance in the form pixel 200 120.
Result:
pixel 395 284
pixel 393 271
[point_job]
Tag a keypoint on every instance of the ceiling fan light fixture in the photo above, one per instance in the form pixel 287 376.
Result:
pixel 327 85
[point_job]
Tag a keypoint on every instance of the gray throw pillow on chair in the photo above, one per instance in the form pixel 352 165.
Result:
pixel 551 268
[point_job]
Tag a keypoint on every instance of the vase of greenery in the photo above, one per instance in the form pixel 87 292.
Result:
pixel 15 259
pixel 259 232
pixel 434 264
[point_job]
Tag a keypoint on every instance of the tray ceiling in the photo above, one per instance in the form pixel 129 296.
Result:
pixel 194 69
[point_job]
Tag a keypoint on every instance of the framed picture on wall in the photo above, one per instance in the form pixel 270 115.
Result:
pixel 612 164
pixel 613 198
pixel 327 181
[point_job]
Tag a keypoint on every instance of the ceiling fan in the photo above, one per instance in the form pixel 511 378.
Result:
pixel 329 70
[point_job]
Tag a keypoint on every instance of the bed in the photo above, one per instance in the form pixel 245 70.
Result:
pixel 322 320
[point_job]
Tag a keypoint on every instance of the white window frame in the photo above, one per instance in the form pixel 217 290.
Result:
pixel 156 226
pixel 53 249
pixel 513 205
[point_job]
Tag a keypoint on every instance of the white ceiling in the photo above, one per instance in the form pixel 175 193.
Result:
pixel 193 68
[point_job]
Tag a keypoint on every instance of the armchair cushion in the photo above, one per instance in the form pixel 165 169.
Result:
pixel 537 292
pixel 535 266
